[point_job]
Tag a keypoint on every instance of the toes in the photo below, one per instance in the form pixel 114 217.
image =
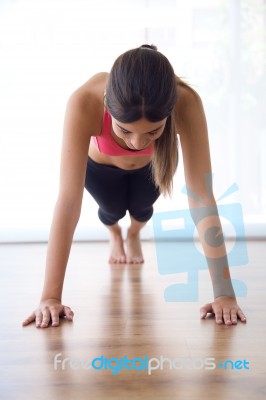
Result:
pixel 135 260
pixel 117 260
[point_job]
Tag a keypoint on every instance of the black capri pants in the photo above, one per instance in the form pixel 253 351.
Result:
pixel 116 190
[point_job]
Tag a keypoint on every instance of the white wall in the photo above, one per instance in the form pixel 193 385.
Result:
pixel 49 48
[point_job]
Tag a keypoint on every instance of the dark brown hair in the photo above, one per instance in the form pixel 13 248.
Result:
pixel 142 84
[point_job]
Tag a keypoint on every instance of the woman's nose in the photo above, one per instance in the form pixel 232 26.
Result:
pixel 138 142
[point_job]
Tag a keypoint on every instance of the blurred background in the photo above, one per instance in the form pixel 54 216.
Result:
pixel 48 48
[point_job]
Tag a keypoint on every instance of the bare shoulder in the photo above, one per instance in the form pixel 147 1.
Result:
pixel 86 102
pixel 91 92
pixel 189 108
pixel 188 98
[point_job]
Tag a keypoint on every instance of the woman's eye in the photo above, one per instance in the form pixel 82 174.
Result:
pixel 153 133
pixel 125 132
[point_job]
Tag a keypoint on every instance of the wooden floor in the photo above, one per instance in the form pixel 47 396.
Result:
pixel 120 311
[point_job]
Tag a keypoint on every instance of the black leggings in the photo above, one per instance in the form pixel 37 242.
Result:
pixel 117 190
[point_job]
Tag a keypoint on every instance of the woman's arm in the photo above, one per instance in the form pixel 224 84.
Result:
pixel 192 128
pixel 74 157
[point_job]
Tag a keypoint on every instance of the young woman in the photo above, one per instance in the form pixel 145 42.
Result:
pixel 120 142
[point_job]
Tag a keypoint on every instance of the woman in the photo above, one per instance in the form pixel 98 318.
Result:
pixel 120 138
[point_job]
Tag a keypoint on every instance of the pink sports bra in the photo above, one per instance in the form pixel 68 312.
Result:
pixel 107 145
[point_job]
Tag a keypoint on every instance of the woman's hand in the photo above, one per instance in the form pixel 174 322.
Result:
pixel 226 310
pixel 50 309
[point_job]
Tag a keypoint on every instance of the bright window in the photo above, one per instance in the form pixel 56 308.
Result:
pixel 49 48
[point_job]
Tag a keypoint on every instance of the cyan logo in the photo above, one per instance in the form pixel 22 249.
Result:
pixel 230 364
pixel 145 363
pixel 179 251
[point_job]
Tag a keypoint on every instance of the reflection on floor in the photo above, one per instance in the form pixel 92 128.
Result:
pixel 145 347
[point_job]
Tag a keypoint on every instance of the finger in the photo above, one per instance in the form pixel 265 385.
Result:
pixel 207 308
pixel 234 316
pixel 218 315
pixel 28 320
pixel 68 313
pixel 38 319
pixel 226 316
pixel 241 315
pixel 54 316
pixel 46 317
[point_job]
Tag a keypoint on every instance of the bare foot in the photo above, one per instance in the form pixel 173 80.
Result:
pixel 134 253
pixel 117 255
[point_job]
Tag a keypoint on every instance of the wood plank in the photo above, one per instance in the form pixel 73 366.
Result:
pixel 120 311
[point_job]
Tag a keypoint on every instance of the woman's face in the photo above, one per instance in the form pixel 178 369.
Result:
pixel 140 134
